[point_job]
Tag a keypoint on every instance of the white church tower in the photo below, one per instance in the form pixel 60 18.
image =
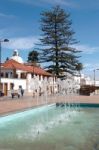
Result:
pixel 16 57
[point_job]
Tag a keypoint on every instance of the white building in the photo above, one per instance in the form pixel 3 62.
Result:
pixel 15 73
pixel 88 81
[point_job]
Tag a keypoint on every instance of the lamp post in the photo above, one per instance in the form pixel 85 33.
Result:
pixel 94 79
pixel 94 76
pixel 1 41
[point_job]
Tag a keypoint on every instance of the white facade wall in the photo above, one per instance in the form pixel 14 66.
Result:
pixel 16 82
pixel 97 83
pixel 88 81
pixel 18 72
pixel 28 81
pixel 8 71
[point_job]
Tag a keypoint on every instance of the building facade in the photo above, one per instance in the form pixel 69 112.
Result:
pixel 16 73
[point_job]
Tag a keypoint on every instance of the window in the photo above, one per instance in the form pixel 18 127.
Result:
pixel 2 74
pixel 6 75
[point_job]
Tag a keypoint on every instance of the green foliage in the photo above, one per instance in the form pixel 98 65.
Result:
pixel 33 56
pixel 79 67
pixel 7 58
pixel 56 41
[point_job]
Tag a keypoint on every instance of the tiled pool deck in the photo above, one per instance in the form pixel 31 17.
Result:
pixel 8 105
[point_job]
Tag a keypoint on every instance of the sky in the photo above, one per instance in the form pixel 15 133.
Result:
pixel 20 23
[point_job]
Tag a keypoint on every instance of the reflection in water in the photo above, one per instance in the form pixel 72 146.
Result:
pixel 51 128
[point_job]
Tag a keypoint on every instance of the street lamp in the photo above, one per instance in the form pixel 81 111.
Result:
pixel 94 76
pixel 1 41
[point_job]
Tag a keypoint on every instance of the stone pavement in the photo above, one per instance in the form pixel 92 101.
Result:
pixel 9 105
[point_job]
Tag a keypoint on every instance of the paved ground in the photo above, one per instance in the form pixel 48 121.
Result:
pixel 8 105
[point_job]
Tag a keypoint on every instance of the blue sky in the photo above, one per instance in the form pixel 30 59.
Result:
pixel 20 23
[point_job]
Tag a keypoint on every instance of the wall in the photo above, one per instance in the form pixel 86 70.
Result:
pixel 16 83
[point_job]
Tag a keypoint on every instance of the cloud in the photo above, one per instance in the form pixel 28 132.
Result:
pixel 6 16
pixel 86 49
pixel 44 2
pixel 22 43
pixel 89 70
pixel 60 2
pixel 1 32
pixel 87 65
pixel 25 1
pixel 88 4
pixel 79 4
pixel 91 66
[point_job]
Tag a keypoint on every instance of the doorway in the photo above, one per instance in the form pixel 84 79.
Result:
pixel 5 88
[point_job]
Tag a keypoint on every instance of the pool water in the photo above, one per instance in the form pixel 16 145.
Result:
pixel 51 128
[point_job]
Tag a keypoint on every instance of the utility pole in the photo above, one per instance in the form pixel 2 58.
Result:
pixel 1 41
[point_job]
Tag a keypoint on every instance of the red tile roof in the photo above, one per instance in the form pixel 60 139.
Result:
pixel 12 64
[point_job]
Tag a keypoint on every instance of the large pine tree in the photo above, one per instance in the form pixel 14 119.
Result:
pixel 56 42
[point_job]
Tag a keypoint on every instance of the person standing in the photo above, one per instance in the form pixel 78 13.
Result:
pixel 12 93
pixel 19 92
pixel 22 91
